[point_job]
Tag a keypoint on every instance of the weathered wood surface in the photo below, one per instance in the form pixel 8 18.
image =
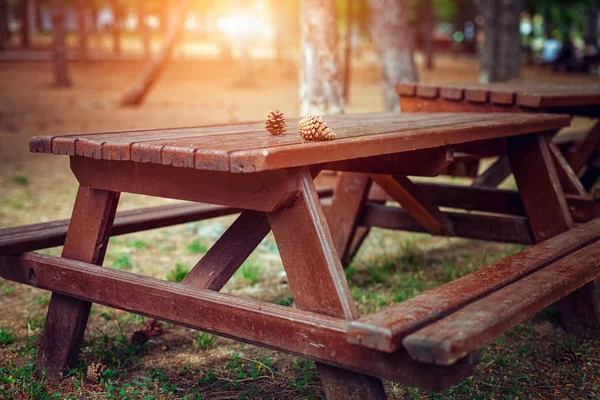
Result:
pixel 86 241
pixel 317 279
pixel 548 215
pixel 493 228
pixel 351 193
pixel 387 329
pixel 21 239
pixel 522 94
pixel 314 336
pixel 248 148
pixel 413 200
pixel 451 338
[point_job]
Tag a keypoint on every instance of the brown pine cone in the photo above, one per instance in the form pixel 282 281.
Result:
pixel 275 122
pixel 314 128
pixel 94 372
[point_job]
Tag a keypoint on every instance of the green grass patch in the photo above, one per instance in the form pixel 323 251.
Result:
pixel 6 336
pixel 178 273
pixel 123 262
pixel 138 244
pixel 20 180
pixel 204 340
pixel 196 247
pixel 249 272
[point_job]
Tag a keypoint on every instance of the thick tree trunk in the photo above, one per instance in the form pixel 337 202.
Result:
pixel 81 9
pixel 321 74
pixel 143 29
pixel 501 56
pixel 116 28
pixel 136 94
pixel 4 34
pixel 427 30
pixel 395 42
pixel 590 30
pixel 62 78
pixel 24 19
pixel 350 26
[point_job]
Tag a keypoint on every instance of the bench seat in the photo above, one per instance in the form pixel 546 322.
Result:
pixel 21 239
pixel 444 324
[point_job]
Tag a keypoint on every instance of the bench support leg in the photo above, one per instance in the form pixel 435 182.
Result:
pixel 495 174
pixel 350 194
pixel 67 317
pixel 548 213
pixel 317 279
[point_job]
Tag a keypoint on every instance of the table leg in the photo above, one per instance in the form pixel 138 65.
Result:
pixel 495 174
pixel 548 214
pixel 86 241
pixel 317 279
pixel 350 194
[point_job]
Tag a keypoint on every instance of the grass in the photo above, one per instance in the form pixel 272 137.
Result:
pixel 6 336
pixel 196 248
pixel 249 272
pixel 204 340
pixel 178 273
pixel 123 262
pixel 20 180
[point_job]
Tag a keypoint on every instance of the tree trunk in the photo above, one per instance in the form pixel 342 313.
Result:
pixel 62 77
pixel 395 43
pixel 24 19
pixel 350 26
pixel 501 56
pixel 427 30
pixel 136 94
pixel 4 36
pixel 116 28
pixel 81 9
pixel 321 75
pixel 590 30
pixel 143 29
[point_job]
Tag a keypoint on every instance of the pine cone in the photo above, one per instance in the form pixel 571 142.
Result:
pixel 314 128
pixel 275 123
pixel 94 372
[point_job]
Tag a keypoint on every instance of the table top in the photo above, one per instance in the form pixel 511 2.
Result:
pixel 524 94
pixel 248 147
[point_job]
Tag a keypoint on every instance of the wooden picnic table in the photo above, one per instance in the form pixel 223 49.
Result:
pixel 270 178
pixel 582 150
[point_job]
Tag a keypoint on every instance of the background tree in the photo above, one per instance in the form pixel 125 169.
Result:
pixel 4 33
pixel 426 18
pixel 501 55
pixel 153 68
pixel 24 6
pixel 81 8
pixel 590 29
pixel 321 74
pixel 62 77
pixel 395 43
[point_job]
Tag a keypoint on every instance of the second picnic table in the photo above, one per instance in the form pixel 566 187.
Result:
pixel 271 179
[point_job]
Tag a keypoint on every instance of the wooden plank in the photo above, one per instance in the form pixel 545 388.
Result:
pixel 21 239
pixel 342 217
pixel 471 226
pixel 569 181
pixel 358 136
pixel 548 216
pixel 453 337
pixel 414 201
pixel 452 93
pixel 557 99
pixel 387 329
pixel 406 89
pixel 317 279
pixel 428 92
pixel 429 162
pixel 494 175
pixel 581 154
pixel 263 191
pixel 219 264
pixel 67 317
pixel 309 335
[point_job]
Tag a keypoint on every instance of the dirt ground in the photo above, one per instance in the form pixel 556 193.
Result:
pixel 534 360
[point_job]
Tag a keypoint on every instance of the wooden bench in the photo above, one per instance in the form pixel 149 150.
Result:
pixel 33 237
pixel 445 324
pixel 573 99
